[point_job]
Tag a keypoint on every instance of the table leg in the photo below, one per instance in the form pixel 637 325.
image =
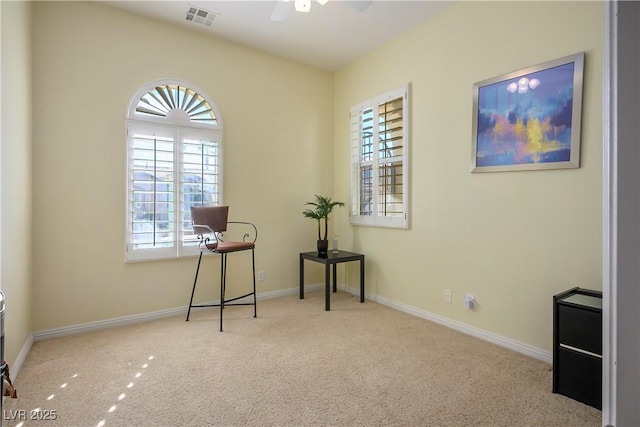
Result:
pixel 301 277
pixel 335 281
pixel 327 293
pixel 362 279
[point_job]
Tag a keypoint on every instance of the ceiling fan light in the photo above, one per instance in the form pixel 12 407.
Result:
pixel 302 5
pixel 323 2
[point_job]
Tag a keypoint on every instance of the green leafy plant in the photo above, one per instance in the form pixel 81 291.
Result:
pixel 322 207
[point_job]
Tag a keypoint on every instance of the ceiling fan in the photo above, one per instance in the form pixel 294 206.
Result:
pixel 284 7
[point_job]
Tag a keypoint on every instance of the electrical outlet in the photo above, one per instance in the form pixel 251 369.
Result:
pixel 261 275
pixel 447 295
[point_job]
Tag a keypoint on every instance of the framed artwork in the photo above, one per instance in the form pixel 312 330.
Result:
pixel 529 119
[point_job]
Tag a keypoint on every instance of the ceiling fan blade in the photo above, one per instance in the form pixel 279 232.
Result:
pixel 360 5
pixel 282 10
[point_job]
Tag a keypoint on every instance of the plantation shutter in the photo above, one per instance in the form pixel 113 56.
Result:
pixel 201 178
pixel 391 159
pixel 362 201
pixel 379 160
pixel 170 170
pixel 150 207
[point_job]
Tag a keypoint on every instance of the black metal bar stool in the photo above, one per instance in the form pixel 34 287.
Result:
pixel 210 223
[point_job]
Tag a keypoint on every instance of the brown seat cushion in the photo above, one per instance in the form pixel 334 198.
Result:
pixel 230 246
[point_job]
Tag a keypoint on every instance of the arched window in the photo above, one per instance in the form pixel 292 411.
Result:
pixel 174 161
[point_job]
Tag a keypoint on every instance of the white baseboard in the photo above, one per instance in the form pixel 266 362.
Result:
pixel 14 369
pixel 528 350
pixel 509 343
pixel 145 317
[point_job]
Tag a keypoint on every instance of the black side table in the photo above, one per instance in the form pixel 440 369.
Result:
pixel 331 259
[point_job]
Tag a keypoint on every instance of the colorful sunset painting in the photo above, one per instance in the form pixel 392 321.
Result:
pixel 526 119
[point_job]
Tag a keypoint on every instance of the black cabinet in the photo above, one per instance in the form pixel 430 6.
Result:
pixel 577 345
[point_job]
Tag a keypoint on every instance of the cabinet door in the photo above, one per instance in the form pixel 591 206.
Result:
pixel 580 377
pixel 580 328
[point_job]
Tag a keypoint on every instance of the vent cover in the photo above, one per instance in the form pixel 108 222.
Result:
pixel 201 16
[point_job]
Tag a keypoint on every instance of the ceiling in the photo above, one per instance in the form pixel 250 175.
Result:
pixel 329 36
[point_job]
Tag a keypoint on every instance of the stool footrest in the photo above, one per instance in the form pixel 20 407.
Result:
pixel 226 302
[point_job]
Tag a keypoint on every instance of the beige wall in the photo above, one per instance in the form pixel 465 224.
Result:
pixel 15 180
pixel 513 239
pixel 89 60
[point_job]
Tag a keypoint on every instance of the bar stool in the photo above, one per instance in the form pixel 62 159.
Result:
pixel 210 224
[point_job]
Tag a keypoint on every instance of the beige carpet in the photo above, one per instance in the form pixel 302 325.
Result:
pixel 295 365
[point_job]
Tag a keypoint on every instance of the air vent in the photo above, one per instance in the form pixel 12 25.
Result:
pixel 201 16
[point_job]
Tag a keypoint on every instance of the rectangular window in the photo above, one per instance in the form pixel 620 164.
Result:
pixel 169 170
pixel 379 160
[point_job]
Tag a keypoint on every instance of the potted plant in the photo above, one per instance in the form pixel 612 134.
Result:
pixel 322 207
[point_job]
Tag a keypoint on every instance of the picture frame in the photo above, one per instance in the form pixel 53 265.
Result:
pixel 529 119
